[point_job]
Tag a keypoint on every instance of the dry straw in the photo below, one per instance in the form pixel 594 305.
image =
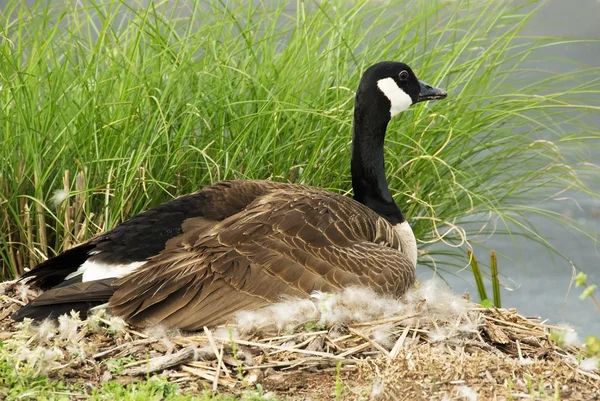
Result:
pixel 431 335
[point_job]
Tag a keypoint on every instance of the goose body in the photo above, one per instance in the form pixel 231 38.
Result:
pixel 240 245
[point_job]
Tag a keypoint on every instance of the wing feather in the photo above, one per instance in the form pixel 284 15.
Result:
pixel 289 241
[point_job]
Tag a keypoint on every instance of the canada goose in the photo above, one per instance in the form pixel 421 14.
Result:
pixel 240 245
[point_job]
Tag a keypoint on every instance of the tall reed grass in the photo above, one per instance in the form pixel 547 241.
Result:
pixel 108 107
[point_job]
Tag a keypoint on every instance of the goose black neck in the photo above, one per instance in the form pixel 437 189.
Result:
pixel 368 168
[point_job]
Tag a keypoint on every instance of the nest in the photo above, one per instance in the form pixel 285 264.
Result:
pixel 427 352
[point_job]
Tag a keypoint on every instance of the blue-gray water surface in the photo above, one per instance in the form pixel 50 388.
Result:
pixel 540 282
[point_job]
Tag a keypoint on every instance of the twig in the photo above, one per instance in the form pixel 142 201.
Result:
pixel 137 333
pixel 507 323
pixel 218 354
pixel 299 345
pixel 290 336
pixel 163 362
pixel 398 346
pixel 354 350
pixel 271 346
pixel 223 381
pixel 388 320
pixel 373 343
pixel 218 371
pixel 124 345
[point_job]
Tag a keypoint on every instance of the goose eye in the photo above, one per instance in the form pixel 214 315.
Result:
pixel 404 75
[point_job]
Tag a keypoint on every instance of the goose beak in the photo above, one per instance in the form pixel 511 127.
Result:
pixel 428 92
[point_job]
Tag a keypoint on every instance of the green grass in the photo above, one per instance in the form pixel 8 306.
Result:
pixel 126 105
pixel 51 367
pixel 17 382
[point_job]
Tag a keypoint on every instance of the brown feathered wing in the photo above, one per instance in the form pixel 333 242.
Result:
pixel 292 240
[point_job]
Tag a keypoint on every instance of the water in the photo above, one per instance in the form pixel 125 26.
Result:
pixel 541 282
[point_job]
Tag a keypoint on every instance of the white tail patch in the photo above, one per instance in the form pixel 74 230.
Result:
pixel 399 100
pixel 93 270
pixel 408 243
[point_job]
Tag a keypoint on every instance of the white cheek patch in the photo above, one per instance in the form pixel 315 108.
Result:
pixel 97 270
pixel 398 98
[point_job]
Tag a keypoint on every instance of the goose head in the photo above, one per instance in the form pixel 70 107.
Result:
pixel 392 87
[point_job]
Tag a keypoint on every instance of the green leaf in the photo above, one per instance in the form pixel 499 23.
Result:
pixel 580 279
pixel 487 303
pixel 588 292
pixel 592 346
